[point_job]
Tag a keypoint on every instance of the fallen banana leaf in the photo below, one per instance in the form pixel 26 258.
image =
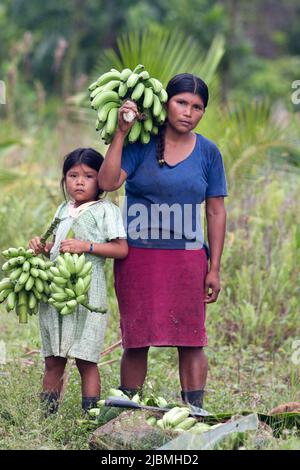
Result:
pixel 277 422
pixel 209 439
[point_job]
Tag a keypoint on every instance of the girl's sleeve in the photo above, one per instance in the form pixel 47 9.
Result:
pixel 113 226
pixel 216 181
pixel 131 157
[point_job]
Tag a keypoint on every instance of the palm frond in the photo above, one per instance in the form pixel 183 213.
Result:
pixel 164 54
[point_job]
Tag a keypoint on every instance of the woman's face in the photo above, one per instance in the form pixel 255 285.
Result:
pixel 81 183
pixel 185 111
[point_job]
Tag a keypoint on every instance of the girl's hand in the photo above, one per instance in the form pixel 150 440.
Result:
pixel 38 248
pixel 123 125
pixel 74 246
pixel 212 281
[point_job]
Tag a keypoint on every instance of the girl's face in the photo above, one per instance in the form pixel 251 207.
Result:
pixel 185 111
pixel 82 184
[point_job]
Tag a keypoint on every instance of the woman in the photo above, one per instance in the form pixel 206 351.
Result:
pixel 164 284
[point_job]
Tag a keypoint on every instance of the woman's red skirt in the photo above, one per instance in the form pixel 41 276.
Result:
pixel 160 295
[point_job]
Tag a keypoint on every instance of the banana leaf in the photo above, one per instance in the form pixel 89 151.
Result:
pixel 277 422
pixel 209 439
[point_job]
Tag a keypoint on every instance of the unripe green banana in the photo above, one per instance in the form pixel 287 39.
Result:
pixel 123 88
pixel 87 269
pixel 81 299
pixel 125 74
pixel 79 287
pixel 71 294
pixel 132 80
pixel 59 305
pixel 47 290
pixel 112 121
pixel 4 294
pixel 135 132
pixel 87 282
pixel 60 281
pixel 30 283
pixel 148 124
pixel 99 125
pixel 32 302
pixel 139 68
pixel 63 271
pixel 111 85
pixel 14 275
pixel 162 117
pixel 43 275
pixel 138 91
pixel 10 253
pixel 11 301
pixel 154 130
pixel 36 293
pixel 144 75
pixel 59 297
pixel 72 303
pixel 105 97
pixel 26 266
pixel 93 86
pixel 95 92
pixel 6 283
pixel 145 136
pixel 54 270
pixel 56 289
pixel 34 272
pixel 107 77
pixel 66 311
pixel 24 278
pixel 29 253
pixel 69 263
pixel 156 84
pixel 105 109
pixel 157 106
pixel 39 285
pixel 163 95
pixel 148 98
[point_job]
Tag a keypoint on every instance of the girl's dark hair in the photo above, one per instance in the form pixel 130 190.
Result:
pixel 181 83
pixel 87 156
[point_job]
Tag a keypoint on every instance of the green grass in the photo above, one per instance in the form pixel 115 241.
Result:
pixel 250 379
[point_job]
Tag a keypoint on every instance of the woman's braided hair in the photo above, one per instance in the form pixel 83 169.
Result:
pixel 181 83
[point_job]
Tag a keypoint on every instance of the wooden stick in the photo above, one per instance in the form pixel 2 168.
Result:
pixel 111 348
pixel 107 362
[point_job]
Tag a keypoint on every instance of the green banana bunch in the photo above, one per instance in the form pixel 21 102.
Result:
pixel 111 89
pixel 70 278
pixel 178 420
pixel 26 282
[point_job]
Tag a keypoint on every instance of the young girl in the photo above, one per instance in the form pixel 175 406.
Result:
pixel 99 233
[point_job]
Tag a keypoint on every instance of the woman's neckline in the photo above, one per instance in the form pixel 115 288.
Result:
pixel 187 157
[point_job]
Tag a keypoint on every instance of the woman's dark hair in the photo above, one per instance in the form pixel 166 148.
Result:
pixel 181 83
pixel 87 156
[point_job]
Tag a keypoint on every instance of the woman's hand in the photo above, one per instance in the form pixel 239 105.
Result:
pixel 74 246
pixel 212 287
pixel 124 126
pixel 38 248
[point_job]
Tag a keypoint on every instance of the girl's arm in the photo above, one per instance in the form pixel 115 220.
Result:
pixel 36 245
pixel 117 248
pixel 216 227
pixel 111 176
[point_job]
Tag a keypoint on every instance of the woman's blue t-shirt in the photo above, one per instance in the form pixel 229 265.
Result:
pixel 162 204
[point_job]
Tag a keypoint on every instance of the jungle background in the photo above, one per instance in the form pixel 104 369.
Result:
pixel 249 53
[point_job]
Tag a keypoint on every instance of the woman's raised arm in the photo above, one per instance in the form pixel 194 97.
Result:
pixel 111 176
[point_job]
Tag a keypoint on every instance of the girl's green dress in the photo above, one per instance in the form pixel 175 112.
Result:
pixel 80 335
